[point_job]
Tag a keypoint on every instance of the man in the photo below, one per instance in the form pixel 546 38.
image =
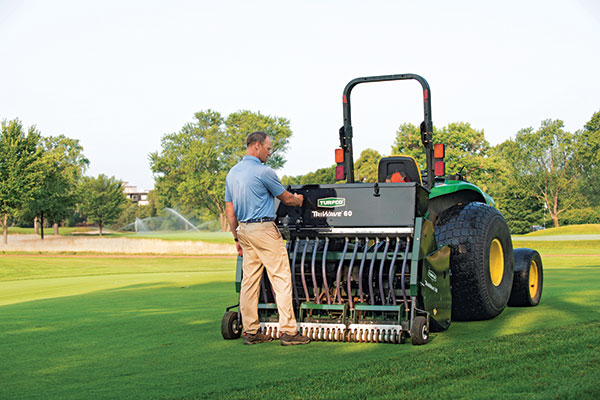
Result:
pixel 250 190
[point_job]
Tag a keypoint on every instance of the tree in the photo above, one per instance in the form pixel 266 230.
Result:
pixel 61 166
pixel 320 176
pixel 190 170
pixel 545 161
pixel 518 204
pixel 588 154
pixel 408 142
pixel 102 199
pixel 128 214
pixel 151 209
pixel 19 169
pixel 466 149
pixel 136 210
pixel 366 167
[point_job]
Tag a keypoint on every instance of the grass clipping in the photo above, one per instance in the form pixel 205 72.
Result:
pixel 96 245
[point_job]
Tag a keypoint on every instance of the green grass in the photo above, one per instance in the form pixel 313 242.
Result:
pixel 513 366
pixel 586 229
pixel 561 247
pixel 150 328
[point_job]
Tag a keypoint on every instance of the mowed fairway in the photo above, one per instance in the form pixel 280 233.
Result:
pixel 77 327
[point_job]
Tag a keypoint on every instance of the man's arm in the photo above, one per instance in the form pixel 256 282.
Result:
pixel 233 224
pixel 289 199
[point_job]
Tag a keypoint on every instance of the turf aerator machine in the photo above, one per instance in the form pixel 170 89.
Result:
pixel 387 261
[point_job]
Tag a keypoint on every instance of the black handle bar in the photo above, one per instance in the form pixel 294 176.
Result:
pixel 426 126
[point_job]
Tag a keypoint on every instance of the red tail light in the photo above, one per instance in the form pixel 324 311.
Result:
pixel 340 174
pixel 440 168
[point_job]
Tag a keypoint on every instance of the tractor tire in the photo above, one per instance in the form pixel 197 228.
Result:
pixel 419 331
pixel 481 260
pixel 528 279
pixel 230 326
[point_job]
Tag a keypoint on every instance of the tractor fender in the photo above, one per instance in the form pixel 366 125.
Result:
pixel 451 193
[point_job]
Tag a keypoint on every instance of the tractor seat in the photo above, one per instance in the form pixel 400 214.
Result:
pixel 399 169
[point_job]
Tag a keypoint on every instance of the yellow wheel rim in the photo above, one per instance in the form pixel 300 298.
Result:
pixel 533 279
pixel 497 262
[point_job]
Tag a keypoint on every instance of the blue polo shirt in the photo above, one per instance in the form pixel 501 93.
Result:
pixel 251 186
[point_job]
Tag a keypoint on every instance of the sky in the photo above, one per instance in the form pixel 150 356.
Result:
pixel 119 75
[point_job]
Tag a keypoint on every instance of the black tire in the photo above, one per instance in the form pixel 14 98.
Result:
pixel 528 279
pixel 230 327
pixel 402 338
pixel 481 259
pixel 419 331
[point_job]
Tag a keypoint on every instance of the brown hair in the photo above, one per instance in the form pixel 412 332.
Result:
pixel 254 137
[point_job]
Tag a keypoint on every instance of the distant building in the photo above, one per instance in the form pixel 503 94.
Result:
pixel 138 197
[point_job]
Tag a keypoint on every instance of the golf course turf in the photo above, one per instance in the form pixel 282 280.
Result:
pixel 111 327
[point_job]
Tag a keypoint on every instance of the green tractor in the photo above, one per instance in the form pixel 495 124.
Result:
pixel 392 260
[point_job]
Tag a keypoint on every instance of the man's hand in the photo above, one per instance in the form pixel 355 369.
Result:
pixel 233 224
pixel 300 198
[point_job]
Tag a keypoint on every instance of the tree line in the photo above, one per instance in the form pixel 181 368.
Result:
pixel 541 176
pixel 42 179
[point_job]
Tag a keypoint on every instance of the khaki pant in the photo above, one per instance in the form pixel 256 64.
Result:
pixel 263 247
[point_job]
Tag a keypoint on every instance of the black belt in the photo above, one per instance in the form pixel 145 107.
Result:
pixel 251 221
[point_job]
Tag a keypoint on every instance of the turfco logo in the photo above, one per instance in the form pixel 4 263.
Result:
pixel 331 202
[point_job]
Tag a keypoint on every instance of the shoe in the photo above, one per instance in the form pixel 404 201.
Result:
pixel 289 340
pixel 256 338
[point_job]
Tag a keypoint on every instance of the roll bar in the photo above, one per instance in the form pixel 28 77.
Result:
pixel 426 126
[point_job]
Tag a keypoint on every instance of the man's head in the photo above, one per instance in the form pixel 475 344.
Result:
pixel 258 144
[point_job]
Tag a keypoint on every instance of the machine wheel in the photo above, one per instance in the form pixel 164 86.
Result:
pixel 481 259
pixel 528 279
pixel 419 331
pixel 402 338
pixel 230 328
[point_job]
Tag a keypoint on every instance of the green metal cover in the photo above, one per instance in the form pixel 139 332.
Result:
pixel 435 286
pixel 430 273
pixel 456 186
pixel 414 258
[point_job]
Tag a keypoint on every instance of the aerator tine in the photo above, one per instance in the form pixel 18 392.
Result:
pixel 381 268
pixel 304 285
pixel 350 267
pixel 361 270
pixel 403 276
pixel 391 298
pixel 312 271
pixel 371 283
pixel 338 275
pixel 324 270
pixel 294 288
